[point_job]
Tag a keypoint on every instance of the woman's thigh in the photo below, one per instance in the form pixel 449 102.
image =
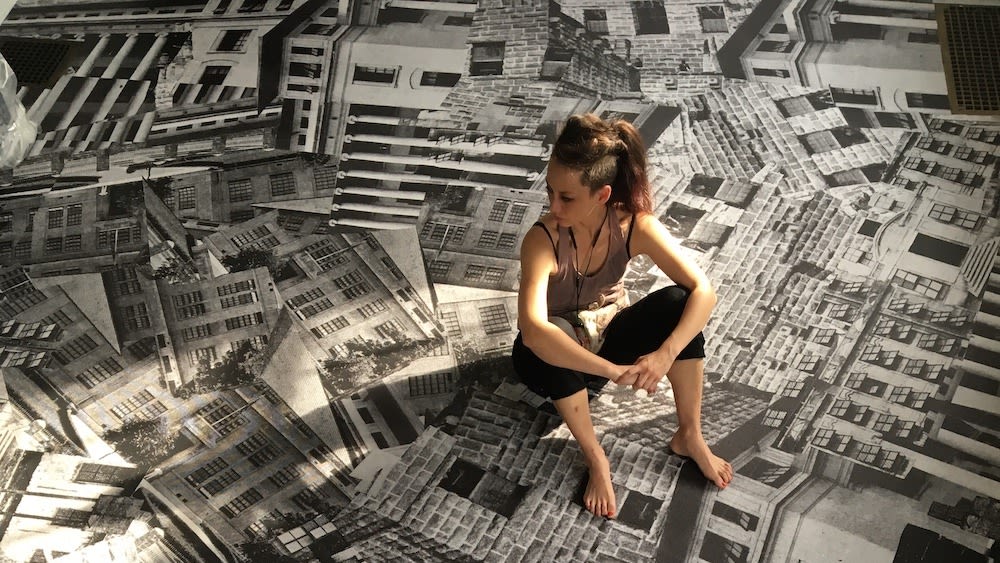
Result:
pixel 547 380
pixel 643 326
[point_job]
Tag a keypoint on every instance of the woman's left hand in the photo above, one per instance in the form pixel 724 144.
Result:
pixel 651 368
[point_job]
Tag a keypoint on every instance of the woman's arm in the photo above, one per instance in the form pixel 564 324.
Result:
pixel 652 239
pixel 545 339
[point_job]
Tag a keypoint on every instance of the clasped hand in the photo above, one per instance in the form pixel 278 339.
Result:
pixel 646 372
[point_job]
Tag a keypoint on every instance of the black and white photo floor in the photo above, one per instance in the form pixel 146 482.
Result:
pixel 259 273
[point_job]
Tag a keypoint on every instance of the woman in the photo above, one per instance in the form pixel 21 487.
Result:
pixel 572 266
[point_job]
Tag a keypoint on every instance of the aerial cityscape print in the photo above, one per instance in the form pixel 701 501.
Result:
pixel 259 273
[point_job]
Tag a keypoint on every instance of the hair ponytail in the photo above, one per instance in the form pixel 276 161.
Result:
pixel 631 188
pixel 607 153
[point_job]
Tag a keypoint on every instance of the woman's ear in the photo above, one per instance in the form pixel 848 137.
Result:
pixel 605 193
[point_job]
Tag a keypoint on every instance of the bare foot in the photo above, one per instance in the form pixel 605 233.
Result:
pixel 599 497
pixel 715 469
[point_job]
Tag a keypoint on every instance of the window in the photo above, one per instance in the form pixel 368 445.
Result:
pixel 74 349
pixel 195 332
pixel 236 287
pixel 233 40
pixel 390 330
pixel 129 407
pixel 326 254
pixel 499 210
pixel 938 249
pixel 772 72
pixel 54 245
pixel 234 507
pixel 494 319
pixel 431 383
pixel 185 198
pixel 101 473
pixel 375 75
pixel 895 119
pixel 352 284
pixel 74 214
pixel 7 222
pixel 72 243
pixel 221 416
pixel 487 59
pixel 285 475
pixel 99 372
pixel 769 46
pixel 237 300
pixel 257 237
pixel 252 6
pixel 136 316
pixel 953 215
pixel 443 79
pixel 920 284
pixel 311 51
pixel 451 325
pixel 218 484
pixel 314 308
pixel 282 184
pixel 202 355
pixel 433 231
pixel 854 96
pixel 930 101
pixel 596 21
pixel 713 19
pixel 291 223
pixel 55 217
pixel 474 272
pixel 936 343
pixel 824 336
pixel 488 239
pixel 233 323
pixel 330 327
pixel 258 449
pixel 439 269
pixel 650 17
pixel 239 190
pixel 22 250
pixel 836 310
pixel 371 309
pixel 517 212
pixel 305 297
pixel 743 519
pixel 857 256
pixel 70 518
pixel 214 75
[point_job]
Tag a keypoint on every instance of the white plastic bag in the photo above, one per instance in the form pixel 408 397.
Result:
pixel 17 132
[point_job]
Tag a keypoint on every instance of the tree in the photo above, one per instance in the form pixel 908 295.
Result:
pixel 239 366
pixel 143 441
pixel 261 551
pixel 248 259
pixel 176 271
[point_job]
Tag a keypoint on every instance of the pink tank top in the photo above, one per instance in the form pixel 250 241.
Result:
pixel 600 288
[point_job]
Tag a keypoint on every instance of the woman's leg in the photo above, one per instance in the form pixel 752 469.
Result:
pixel 642 328
pixel 575 411
pixel 686 379
pixel 568 391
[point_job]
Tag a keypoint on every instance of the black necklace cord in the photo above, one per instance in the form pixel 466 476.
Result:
pixel 578 285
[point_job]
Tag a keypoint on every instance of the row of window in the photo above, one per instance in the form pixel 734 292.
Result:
pixel 439 270
pixel 493 319
pixel 68 216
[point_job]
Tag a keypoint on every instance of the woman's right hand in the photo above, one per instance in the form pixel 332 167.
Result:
pixel 625 375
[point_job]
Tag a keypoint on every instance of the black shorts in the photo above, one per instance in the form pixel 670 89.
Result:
pixel 636 330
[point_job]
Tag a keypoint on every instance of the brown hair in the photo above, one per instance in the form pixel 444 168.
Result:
pixel 607 152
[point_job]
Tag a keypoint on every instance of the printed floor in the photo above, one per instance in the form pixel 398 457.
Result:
pixel 259 270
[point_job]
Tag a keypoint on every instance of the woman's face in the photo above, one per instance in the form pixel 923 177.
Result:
pixel 570 202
